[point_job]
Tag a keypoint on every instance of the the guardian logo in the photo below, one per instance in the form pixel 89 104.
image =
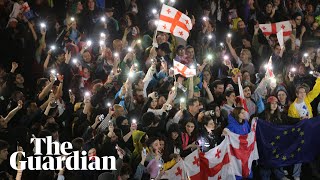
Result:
pixel 60 158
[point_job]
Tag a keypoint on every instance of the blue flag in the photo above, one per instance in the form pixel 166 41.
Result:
pixel 283 145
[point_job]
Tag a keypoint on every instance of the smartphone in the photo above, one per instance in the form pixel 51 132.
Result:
pixel 144 151
pixel 101 117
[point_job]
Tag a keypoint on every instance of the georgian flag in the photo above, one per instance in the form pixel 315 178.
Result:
pixel 269 71
pixel 218 163
pixel 177 172
pixel 175 22
pixel 274 28
pixel 243 150
pixel 182 69
pixel 192 165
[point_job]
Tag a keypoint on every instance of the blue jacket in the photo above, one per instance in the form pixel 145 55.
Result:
pixel 235 127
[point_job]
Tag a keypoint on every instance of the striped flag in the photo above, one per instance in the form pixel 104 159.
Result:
pixel 274 28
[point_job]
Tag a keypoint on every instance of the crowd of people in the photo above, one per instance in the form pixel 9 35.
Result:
pixel 97 73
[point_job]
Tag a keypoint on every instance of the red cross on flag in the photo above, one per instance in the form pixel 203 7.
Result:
pixel 192 165
pixel 274 28
pixel 175 22
pixel 269 67
pixel 177 172
pixel 182 69
pixel 218 163
pixel 243 150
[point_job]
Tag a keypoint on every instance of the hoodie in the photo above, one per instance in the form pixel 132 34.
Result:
pixel 236 127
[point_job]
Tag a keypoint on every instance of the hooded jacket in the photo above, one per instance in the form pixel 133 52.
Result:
pixel 236 127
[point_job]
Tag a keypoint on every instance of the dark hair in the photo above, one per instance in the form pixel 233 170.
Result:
pixel 236 111
pixel 268 115
pixel 174 128
pixel 3 145
pixel 52 127
pixel 151 140
pixel 41 82
pixel 125 169
pixel 192 101
pixel 216 83
pixel 206 120
pixel 228 93
pixel 77 143
pixel 147 119
pixel 189 47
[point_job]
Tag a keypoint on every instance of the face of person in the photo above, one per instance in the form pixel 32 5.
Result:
pixel 219 89
pixel 206 76
pixel 156 145
pixel 277 50
pixel 190 53
pixel 210 126
pixel 217 112
pixel 301 94
pixel 129 23
pixel 282 96
pixel 86 57
pixel 174 135
pixel 242 114
pixel 273 106
pixel 247 92
pixel 125 122
pixel 269 8
pixel 231 98
pixel 154 103
pixel 246 43
pixel 298 20
pixel 246 77
pixel 4 154
pixel 79 6
pixel 92 152
pixel 91 4
pixel 195 107
pixel 161 144
pixel 189 127
pixel 181 52
pixel 241 25
pixel 19 79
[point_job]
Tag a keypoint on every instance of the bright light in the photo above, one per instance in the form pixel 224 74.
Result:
pixel 109 104
pixel 209 36
pixel 273 80
pixel 156 22
pixel 75 61
pixel 135 65
pixel 129 49
pixel 42 25
pixel 154 11
pixel 192 67
pixel 173 1
pixel 89 43
pixel 103 19
pixel 182 100
pixel 72 18
pixel 209 57
pixel 204 18
pixel 225 57
pixel 266 66
pixel 311 72
pixel 139 41
pixel 53 71
pixel 293 69
pixel 53 47
pixel 221 44
pixel 162 1
pixel 134 121
pixel 70 90
pixel 87 93
pixel 102 35
pixel 116 54
pixel 101 43
pixel 130 74
pixel 229 35
pixel 305 54
pixel 173 88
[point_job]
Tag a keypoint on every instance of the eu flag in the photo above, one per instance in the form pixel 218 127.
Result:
pixel 283 145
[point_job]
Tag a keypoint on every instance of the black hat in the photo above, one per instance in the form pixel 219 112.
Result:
pixel 165 47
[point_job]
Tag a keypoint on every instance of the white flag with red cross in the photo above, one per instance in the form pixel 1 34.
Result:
pixel 243 150
pixel 177 172
pixel 192 165
pixel 182 69
pixel 175 22
pixel 218 160
pixel 274 28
